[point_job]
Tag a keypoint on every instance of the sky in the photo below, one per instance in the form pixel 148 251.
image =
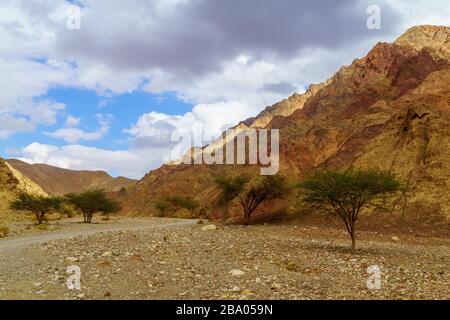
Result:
pixel 104 84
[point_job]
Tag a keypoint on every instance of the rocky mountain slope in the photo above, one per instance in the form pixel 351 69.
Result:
pixel 60 181
pixel 389 109
pixel 12 181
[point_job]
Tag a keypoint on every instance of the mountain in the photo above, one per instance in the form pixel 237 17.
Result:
pixel 60 181
pixel 389 109
pixel 11 182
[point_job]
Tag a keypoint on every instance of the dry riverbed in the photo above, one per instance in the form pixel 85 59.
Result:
pixel 176 259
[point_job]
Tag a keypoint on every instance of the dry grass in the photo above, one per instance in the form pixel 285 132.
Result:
pixel 4 231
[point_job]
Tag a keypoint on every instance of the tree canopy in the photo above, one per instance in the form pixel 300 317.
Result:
pixel 92 201
pixel 346 192
pixel 250 192
pixel 38 204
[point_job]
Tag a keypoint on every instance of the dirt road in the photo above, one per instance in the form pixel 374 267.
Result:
pixel 80 229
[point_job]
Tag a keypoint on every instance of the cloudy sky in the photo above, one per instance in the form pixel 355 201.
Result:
pixel 109 95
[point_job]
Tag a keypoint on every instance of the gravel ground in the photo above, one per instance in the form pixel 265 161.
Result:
pixel 165 260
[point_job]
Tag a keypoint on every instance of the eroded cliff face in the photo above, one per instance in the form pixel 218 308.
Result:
pixel 389 109
pixel 11 182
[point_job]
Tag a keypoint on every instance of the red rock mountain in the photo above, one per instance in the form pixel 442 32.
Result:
pixel 60 181
pixel 389 109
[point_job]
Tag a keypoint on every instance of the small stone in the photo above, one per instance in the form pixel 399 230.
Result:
pixel 81 296
pixel 209 227
pixel 236 289
pixel 37 284
pixel 107 254
pixel 276 286
pixel 237 272
pixel 107 293
pixel 71 259
pixel 395 239
pixel 247 292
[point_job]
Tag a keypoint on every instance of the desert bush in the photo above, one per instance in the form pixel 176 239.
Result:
pixel 251 192
pixel 67 210
pixel 179 202
pixel 162 207
pixel 4 231
pixel 344 193
pixel 183 213
pixel 230 188
pixel 40 206
pixel 259 190
pixel 91 202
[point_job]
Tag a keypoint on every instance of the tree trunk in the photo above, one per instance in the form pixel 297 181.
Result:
pixel 246 218
pixel 353 242
pixel 39 218
pixel 353 234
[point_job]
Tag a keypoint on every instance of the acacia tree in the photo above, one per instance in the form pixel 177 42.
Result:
pixel 90 202
pixel 230 188
pixel 259 190
pixel 345 193
pixel 39 205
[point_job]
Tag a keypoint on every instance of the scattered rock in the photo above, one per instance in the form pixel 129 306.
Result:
pixel 81 296
pixel 107 254
pixel 247 292
pixel 237 272
pixel 395 239
pixel 209 227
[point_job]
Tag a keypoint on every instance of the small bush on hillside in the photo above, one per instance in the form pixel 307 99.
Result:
pixel 162 207
pixel 188 203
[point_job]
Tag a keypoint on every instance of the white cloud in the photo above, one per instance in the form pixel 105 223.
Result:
pixel 10 125
pixel 229 71
pixel 203 123
pixel 78 157
pixel 72 121
pixel 73 135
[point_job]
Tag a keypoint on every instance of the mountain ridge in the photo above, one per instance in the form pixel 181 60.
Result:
pixel 389 109
pixel 60 181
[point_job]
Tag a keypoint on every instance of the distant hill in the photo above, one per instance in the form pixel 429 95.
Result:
pixel 58 181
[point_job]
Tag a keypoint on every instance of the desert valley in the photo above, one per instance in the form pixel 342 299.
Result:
pixel 174 234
